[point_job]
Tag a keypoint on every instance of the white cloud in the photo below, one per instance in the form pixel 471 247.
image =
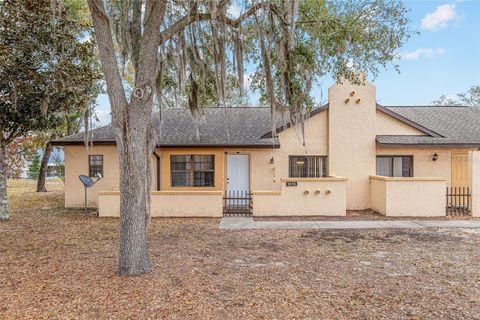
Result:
pixel 440 17
pixel 418 53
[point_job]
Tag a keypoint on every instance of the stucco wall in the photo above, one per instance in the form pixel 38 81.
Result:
pixel 291 143
pixel 165 176
pixel 474 177
pixel 311 197
pixel 423 165
pixel 267 176
pixel 262 172
pixel 414 197
pixel 378 195
pixel 169 204
pixel 351 144
pixel 76 163
pixel 387 125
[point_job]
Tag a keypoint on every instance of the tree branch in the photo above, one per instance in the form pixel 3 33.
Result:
pixel 145 73
pixel 193 16
pixel 103 35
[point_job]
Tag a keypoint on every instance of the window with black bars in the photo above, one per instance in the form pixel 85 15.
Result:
pixel 307 166
pixel 394 166
pixel 95 165
pixel 192 170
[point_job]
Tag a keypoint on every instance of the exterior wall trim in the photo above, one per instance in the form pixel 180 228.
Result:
pixel 170 193
pixel 402 179
pixel 82 143
pixel 331 178
pixel 428 145
pixel 274 145
pixel 267 193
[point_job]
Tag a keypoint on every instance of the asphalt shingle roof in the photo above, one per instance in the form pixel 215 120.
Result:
pixel 456 125
pixel 247 125
pixel 242 126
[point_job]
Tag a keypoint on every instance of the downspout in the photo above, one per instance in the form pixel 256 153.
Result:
pixel 158 169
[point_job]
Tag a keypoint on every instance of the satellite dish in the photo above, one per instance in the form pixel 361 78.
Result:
pixel 87 183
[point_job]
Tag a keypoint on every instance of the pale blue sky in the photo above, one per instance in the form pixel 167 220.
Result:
pixel 443 59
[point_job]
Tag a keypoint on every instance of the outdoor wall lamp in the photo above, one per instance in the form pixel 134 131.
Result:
pixel 272 161
pixel 435 157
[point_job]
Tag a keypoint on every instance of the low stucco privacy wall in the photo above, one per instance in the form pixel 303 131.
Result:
pixel 411 196
pixel 169 204
pixel 474 178
pixel 310 197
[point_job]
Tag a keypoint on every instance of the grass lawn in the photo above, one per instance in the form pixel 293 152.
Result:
pixel 57 264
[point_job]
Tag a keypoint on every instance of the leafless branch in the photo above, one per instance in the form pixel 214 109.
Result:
pixel 194 16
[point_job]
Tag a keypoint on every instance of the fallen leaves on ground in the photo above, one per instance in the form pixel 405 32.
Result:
pixel 56 264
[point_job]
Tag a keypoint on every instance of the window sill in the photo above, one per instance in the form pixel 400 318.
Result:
pixel 322 179
pixel 384 178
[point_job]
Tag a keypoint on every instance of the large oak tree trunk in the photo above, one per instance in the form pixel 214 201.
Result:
pixel 132 124
pixel 42 174
pixel 3 182
pixel 135 144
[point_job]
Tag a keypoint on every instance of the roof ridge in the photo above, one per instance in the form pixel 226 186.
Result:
pixel 407 120
pixel 427 106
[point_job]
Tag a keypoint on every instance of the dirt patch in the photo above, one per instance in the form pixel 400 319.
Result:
pixel 63 266
pixel 390 235
pixel 360 215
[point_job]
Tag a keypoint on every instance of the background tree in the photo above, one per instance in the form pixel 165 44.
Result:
pixel 469 98
pixel 59 169
pixel 76 104
pixel 193 49
pixel 18 152
pixel 445 101
pixel 78 113
pixel 34 167
pixel 39 59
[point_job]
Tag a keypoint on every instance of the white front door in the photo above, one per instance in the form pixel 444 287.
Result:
pixel 238 175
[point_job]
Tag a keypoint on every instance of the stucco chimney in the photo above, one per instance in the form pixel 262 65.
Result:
pixel 351 139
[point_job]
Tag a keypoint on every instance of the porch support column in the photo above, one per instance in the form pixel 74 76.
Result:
pixel 474 178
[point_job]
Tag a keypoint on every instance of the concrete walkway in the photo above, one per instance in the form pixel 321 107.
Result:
pixel 249 223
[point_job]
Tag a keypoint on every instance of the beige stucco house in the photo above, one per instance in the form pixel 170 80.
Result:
pixel 357 155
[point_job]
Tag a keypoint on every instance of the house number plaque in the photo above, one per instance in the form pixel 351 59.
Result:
pixel 291 183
